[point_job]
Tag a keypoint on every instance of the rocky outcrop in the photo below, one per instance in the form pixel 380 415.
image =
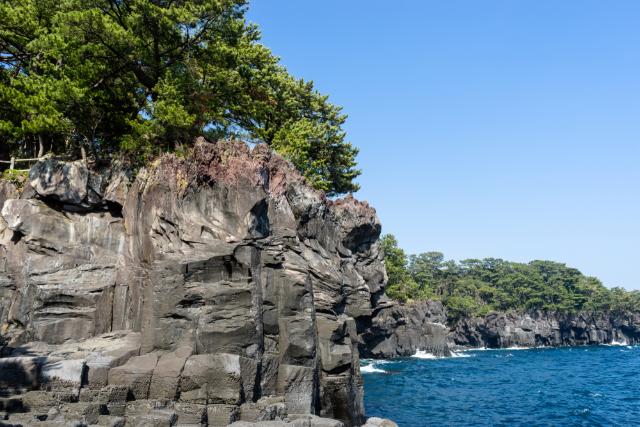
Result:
pixel 401 330
pixel 536 329
pixel 209 290
pixel 397 330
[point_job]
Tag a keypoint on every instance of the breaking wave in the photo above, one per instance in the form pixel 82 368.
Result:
pixel 371 366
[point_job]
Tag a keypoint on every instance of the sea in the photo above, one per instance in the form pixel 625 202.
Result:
pixel 572 386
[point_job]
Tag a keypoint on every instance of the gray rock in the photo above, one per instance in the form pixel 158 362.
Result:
pixel 61 374
pixel 379 422
pixel 220 415
pixel 60 181
pixel 85 412
pixel 297 385
pixel 136 374
pixel 268 408
pixel 166 374
pixel 552 329
pixel 218 280
pixel 401 330
pixel 190 414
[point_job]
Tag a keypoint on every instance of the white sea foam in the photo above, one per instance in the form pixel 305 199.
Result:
pixel 430 356
pixel 475 349
pixel 371 369
pixel 372 366
pixel 424 355
pixel 619 343
pixel 503 348
pixel 459 354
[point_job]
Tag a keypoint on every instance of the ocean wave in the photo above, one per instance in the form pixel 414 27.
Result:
pixel 424 355
pixel 430 356
pixel 371 369
pixel 503 348
pixel 618 343
pixel 372 366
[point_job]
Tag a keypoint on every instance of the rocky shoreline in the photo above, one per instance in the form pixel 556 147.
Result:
pixel 402 330
pixel 540 329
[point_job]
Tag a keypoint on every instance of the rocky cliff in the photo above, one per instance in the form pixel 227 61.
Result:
pixel 537 329
pixel 397 330
pixel 207 290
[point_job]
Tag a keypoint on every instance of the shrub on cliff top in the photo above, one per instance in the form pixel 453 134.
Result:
pixel 142 76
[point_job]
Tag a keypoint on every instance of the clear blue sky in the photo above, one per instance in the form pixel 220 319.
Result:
pixel 494 128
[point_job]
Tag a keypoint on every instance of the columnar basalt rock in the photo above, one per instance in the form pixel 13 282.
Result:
pixel 211 289
pixel 536 329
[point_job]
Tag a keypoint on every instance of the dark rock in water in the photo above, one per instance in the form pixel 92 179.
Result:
pixel 212 289
pixel 401 330
pixel 536 329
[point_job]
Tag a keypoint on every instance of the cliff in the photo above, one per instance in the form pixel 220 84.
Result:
pixel 549 329
pixel 400 330
pixel 207 290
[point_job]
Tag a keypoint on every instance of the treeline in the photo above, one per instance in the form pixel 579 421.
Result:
pixel 135 78
pixel 475 287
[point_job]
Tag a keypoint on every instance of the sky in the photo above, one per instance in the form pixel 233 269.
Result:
pixel 507 129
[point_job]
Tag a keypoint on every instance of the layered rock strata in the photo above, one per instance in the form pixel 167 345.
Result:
pixel 208 290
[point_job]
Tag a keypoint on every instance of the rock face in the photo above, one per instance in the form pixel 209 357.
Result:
pixel 401 330
pixel 536 329
pixel 396 330
pixel 209 290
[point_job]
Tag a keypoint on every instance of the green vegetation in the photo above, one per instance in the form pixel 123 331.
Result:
pixel 136 78
pixel 475 287
pixel 15 176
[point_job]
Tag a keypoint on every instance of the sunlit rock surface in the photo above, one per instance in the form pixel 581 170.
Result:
pixel 209 290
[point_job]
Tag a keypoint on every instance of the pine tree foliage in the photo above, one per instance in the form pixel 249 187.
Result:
pixel 141 77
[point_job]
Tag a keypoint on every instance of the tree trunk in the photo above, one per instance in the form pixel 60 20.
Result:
pixel 40 146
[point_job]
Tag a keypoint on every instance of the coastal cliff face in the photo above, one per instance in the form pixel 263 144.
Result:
pixel 397 330
pixel 536 329
pixel 401 330
pixel 207 290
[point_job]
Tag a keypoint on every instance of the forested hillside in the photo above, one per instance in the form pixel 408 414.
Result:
pixel 475 287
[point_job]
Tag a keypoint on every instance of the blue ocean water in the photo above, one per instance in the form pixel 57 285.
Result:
pixel 579 386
